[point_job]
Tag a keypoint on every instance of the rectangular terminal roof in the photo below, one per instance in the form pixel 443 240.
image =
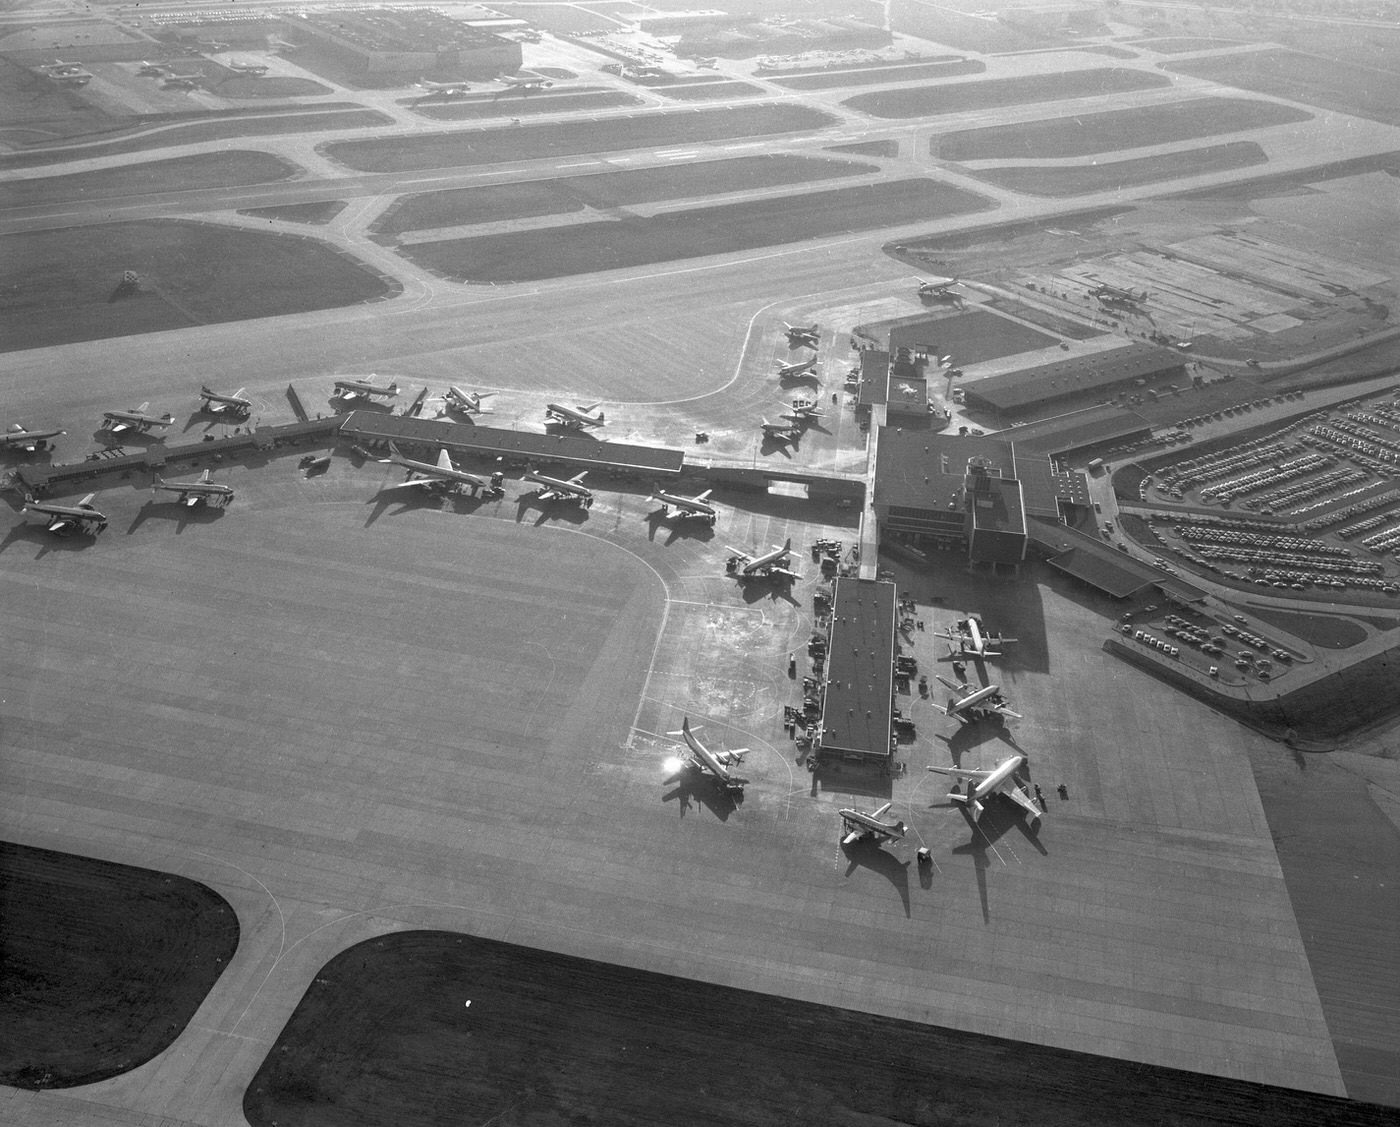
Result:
pixel 1072 376
pixel 578 450
pixel 856 702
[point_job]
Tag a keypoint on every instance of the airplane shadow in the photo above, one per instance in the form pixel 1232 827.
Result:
pixel 109 440
pixel 969 736
pixel 998 816
pixel 383 501
pixel 565 511
pixel 184 515
pixel 45 540
pixel 865 854
pixel 690 790
pixel 771 445
pixel 345 406
pixel 757 590
pixel 677 529
pixel 562 430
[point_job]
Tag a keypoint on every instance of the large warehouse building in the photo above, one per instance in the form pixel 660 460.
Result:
pixel 409 41
pixel 1095 374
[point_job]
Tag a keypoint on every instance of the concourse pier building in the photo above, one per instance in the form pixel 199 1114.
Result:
pixel 858 695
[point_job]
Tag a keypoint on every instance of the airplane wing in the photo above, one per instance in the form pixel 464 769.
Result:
pixel 578 477
pixel 1022 799
pixel 444 461
pixel 852 837
pixel 141 410
pixel 961 773
pixel 1002 710
pixel 207 476
pixel 953 686
pixel 411 483
pixel 86 502
pixel 703 496
pixel 882 811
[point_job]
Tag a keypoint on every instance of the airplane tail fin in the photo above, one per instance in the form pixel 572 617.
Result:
pixel 601 417
pixel 156 482
pixel 901 828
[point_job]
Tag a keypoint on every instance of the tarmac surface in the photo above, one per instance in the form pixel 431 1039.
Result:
pixel 350 716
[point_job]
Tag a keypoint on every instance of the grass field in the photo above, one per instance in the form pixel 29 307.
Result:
pixel 58 286
pixel 1112 130
pixel 422 1028
pixel 722 229
pixel 971 337
pixel 101 965
pixel 876 76
pixel 605 190
pixel 1301 77
pixel 1040 180
pixel 269 86
pixel 508 104
pixel 322 211
pixel 990 93
pixel 711 91
pixel 264 125
pixel 557 139
pixel 230 168
pixel 1184 44
pixel 961 31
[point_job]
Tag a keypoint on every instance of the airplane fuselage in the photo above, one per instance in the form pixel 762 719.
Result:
pixel 129 420
pixel 861 824
pixel 768 559
pixel 557 489
pixel 66 518
pixel 972 700
pixel 355 389
pixel 689 506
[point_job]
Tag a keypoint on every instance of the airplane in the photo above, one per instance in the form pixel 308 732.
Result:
pixel 212 45
pixel 192 493
pixel 69 518
pixel 781 432
pixel 464 401
pixel 442 476
pixel 971 641
pixel 58 66
pixel 940 288
pixel 149 69
pixel 119 422
pixel 976 703
pixel 857 825
pixel 792 371
pixel 573 417
pixel 1001 779
pixel 698 506
pixel 716 763
pixel 252 70
pixel 803 409
pixel 219 404
pixel 557 490
pixel 760 565
pixel 446 89
pixel 1104 292
pixel 71 77
pixel 181 82
pixel 353 390
pixel 535 83
pixel 31 441
pixel 802 335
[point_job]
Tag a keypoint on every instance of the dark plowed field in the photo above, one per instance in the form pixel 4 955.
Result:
pixel 557 139
pixel 179 174
pixel 961 97
pixel 427 1028
pixel 101 965
pixel 1039 180
pixel 606 190
pixel 1111 130
pixel 556 252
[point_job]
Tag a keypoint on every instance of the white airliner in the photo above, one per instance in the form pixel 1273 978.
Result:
pixel 716 763
pixel 70 77
pixel 760 565
pixel 523 83
pixel 556 489
pixel 442 477
pixel 798 368
pixel 183 82
pixel 972 703
pixel 446 89
pixel 58 68
pixel 353 390
pixel 217 403
pixel 807 335
pixel 32 441
pixel 252 70
pixel 936 288
pixel 137 419
pixel 1001 779
pixel 697 507
pixel 464 402
pixel 971 641
pixel 191 493
pixel 64 519
pixel 152 70
pixel 573 416
pixel 857 825
pixel 804 409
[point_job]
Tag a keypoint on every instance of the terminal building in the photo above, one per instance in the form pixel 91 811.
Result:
pixel 1096 374
pixel 408 40
pixel 858 693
